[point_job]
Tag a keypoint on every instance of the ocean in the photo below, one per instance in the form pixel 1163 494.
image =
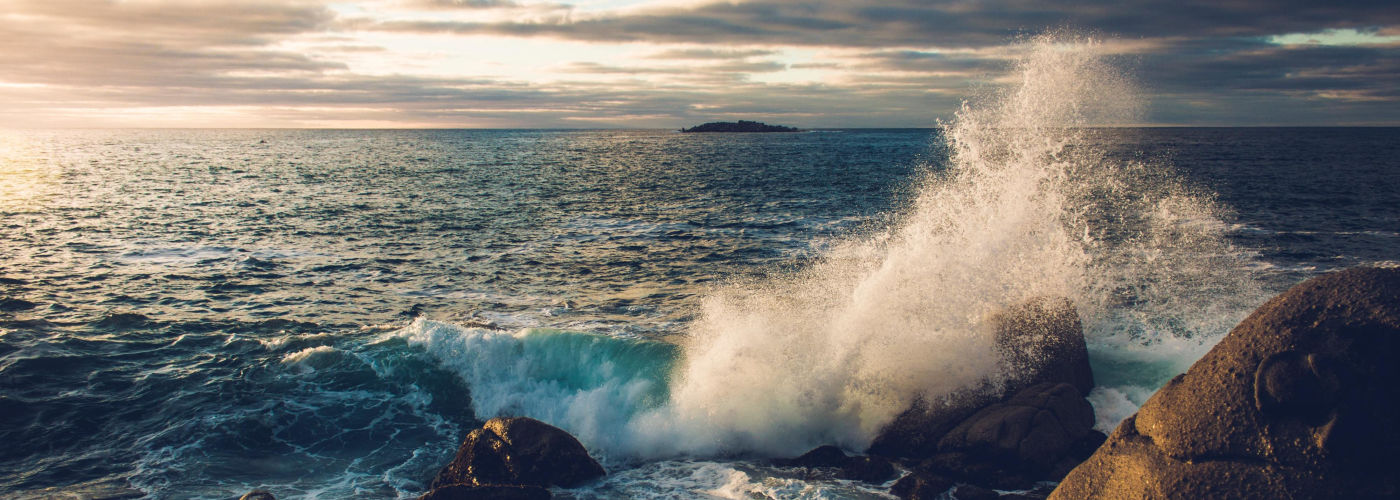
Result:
pixel 325 313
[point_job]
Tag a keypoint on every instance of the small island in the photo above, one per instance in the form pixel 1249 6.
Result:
pixel 740 126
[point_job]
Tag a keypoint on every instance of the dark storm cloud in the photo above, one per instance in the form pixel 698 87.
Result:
pixel 894 63
pixel 945 24
pixel 1359 70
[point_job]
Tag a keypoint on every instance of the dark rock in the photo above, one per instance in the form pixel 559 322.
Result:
pixel 915 432
pixel 1298 401
pixel 740 126
pixel 1029 433
pixel 974 492
pixel 921 486
pixel 1040 341
pixel 15 305
pixel 487 492
pixel 868 469
pixel 821 456
pixel 863 468
pixel 519 451
pixel 481 459
pixel 257 495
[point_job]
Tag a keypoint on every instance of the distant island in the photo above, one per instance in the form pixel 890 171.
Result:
pixel 740 126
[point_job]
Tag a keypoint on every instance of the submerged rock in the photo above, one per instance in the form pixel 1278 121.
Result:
pixel 1041 341
pixel 1298 401
pixel 519 451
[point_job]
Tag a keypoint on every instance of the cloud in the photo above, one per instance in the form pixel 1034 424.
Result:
pixel 703 54
pixel 912 23
pixel 882 63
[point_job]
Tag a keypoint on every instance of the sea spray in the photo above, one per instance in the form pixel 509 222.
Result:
pixel 1030 204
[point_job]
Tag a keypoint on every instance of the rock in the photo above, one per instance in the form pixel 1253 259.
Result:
pixel 821 456
pixel 519 451
pixel 740 126
pixel 487 492
pixel 974 492
pixel 862 468
pixel 1298 401
pixel 921 486
pixel 868 469
pixel 257 495
pixel 1041 341
pixel 1028 434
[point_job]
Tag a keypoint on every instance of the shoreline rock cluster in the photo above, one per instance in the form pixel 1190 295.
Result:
pixel 1299 400
pixel 514 458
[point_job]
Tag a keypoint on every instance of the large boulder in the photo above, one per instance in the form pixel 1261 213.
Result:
pixel 1040 341
pixel 1299 401
pixel 519 451
pixel 1030 434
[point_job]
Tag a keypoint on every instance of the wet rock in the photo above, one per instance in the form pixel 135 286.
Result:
pixel 821 456
pixel 974 492
pixel 1040 341
pixel 487 492
pixel 1298 401
pixel 1028 434
pixel 257 495
pixel 519 451
pixel 921 486
pixel 860 468
pixel 867 469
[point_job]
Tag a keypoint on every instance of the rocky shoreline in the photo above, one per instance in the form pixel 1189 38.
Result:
pixel 1298 400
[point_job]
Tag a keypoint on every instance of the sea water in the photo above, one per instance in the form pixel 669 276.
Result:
pixel 197 313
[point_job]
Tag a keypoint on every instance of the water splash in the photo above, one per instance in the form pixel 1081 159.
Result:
pixel 1031 204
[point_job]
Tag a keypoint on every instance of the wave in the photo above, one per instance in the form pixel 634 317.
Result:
pixel 1029 205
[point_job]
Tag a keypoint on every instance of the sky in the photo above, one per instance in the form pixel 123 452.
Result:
pixel 669 63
